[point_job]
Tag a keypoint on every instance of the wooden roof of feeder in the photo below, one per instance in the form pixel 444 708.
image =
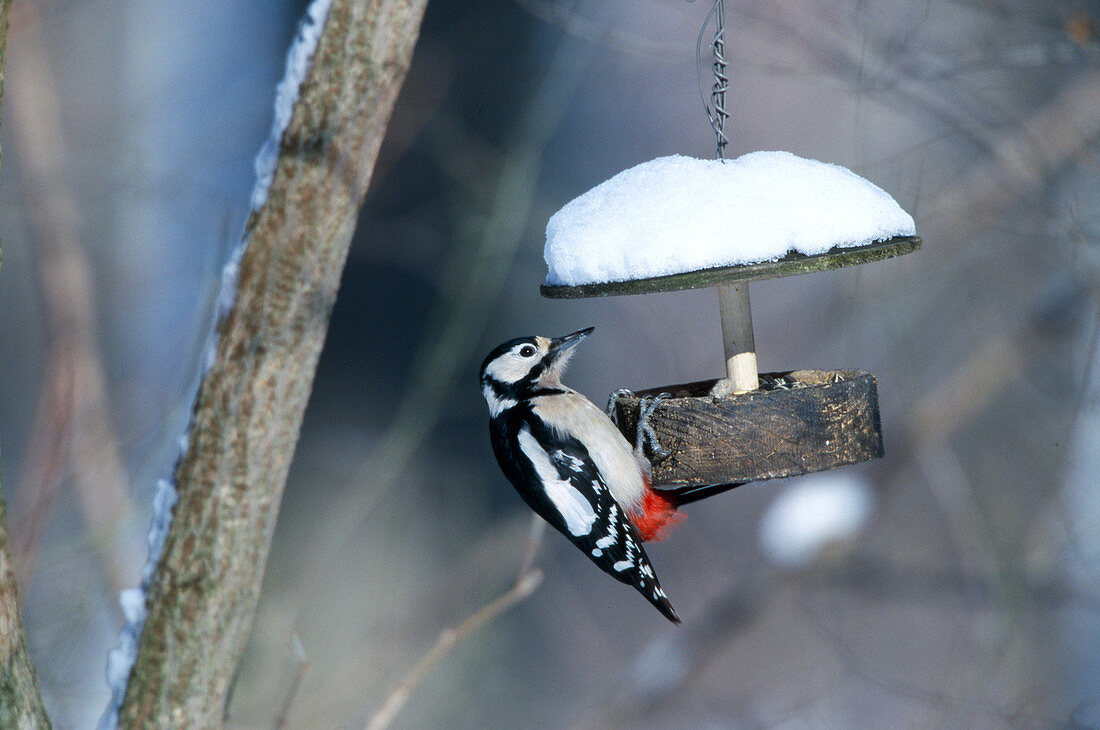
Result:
pixel 790 265
pixel 747 427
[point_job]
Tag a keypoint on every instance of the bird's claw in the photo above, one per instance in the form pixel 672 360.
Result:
pixel 646 436
pixel 611 399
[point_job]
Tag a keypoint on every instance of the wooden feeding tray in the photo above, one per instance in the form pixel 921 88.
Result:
pixel 746 427
pixel 796 423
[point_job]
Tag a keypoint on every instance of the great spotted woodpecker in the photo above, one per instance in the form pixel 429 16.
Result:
pixel 571 464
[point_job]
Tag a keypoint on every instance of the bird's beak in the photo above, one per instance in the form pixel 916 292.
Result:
pixel 561 349
pixel 559 345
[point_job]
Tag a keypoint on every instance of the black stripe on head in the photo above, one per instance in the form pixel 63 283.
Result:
pixel 503 348
pixel 515 365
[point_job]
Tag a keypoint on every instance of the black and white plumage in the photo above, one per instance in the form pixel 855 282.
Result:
pixel 571 464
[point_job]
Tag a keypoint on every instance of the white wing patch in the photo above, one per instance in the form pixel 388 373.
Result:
pixel 569 461
pixel 578 513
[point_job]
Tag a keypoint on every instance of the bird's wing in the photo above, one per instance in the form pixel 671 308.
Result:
pixel 577 502
pixel 568 412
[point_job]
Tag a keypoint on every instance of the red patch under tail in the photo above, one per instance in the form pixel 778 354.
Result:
pixel 657 513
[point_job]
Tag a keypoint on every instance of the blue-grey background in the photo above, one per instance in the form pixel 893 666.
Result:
pixel 970 599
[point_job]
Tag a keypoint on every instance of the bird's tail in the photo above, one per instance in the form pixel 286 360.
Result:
pixel 660 508
pixel 661 604
pixel 679 496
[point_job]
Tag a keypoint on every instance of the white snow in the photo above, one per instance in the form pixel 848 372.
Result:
pixel 678 214
pixel 814 514
pixel 298 61
pixel 132 602
pixel 120 660
pixel 164 501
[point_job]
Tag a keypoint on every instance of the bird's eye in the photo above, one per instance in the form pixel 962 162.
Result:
pixel 527 351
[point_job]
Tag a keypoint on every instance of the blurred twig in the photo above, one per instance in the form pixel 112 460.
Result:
pixel 1025 156
pixel 880 581
pixel 525 585
pixel 857 666
pixel 534 542
pixel 664 668
pixel 955 697
pixel 986 375
pixel 300 669
pixel 1022 157
pixel 202 597
pixel 73 425
pixel 572 22
pixel 527 580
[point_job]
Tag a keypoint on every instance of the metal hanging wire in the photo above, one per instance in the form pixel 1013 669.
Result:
pixel 715 106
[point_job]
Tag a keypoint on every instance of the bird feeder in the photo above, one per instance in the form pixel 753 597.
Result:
pixel 681 223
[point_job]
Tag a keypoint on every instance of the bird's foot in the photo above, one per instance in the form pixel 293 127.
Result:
pixel 646 436
pixel 611 412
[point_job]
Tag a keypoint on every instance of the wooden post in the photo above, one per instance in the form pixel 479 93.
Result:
pixel 741 373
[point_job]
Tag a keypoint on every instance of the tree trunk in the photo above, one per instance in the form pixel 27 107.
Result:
pixel 203 594
pixel 20 701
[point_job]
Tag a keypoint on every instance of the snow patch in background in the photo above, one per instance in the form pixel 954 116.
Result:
pixel 813 515
pixel 678 214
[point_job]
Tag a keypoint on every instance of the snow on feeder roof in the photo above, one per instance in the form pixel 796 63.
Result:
pixel 679 222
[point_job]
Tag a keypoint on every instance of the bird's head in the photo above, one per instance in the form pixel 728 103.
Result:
pixel 515 368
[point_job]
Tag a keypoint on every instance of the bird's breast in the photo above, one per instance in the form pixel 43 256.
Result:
pixel 571 414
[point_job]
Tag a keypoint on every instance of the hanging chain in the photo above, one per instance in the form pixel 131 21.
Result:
pixel 716 106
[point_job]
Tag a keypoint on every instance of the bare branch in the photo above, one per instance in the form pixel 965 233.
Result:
pixel 295 684
pixel 527 580
pixel 525 585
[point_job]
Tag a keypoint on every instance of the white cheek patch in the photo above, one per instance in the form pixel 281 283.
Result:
pixel 574 508
pixel 497 405
pixel 510 367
